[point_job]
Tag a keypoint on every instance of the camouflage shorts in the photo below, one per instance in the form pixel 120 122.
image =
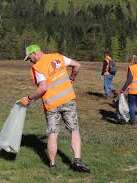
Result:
pixel 67 112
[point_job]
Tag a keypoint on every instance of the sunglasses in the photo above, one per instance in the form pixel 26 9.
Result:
pixel 29 59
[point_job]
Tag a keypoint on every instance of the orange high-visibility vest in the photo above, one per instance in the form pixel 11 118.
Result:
pixel 60 90
pixel 132 88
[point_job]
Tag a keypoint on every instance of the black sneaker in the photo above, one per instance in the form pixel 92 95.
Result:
pixel 80 166
pixel 52 166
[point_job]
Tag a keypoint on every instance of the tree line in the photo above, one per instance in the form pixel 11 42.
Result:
pixel 82 29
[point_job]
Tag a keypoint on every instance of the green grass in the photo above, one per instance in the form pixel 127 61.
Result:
pixel 108 148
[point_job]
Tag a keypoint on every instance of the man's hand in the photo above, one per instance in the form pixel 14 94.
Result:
pixel 72 79
pixel 75 69
pixel 121 91
pixel 108 58
pixel 25 101
pixel 102 77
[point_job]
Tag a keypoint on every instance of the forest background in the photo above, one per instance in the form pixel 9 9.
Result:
pixel 80 29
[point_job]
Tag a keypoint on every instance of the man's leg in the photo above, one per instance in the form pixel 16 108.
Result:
pixel 132 105
pixel 76 143
pixel 78 164
pixel 106 85
pixel 110 85
pixel 52 147
pixel 53 124
pixel 69 114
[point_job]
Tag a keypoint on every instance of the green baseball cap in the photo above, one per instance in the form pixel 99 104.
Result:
pixel 31 49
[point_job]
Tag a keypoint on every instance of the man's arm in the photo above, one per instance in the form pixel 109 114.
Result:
pixel 75 69
pixel 41 89
pixel 104 67
pixel 128 81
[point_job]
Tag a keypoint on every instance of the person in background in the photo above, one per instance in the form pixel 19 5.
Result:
pixel 54 86
pixel 131 87
pixel 107 74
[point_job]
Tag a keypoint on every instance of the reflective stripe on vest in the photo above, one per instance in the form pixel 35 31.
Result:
pixel 133 86
pixel 135 81
pixel 58 81
pixel 133 89
pixel 58 96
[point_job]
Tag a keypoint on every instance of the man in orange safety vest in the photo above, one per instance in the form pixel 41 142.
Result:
pixel 54 86
pixel 131 87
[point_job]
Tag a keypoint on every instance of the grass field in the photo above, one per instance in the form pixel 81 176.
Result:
pixel 110 149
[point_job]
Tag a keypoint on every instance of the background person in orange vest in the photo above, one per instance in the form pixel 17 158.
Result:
pixel 108 74
pixel 55 88
pixel 131 87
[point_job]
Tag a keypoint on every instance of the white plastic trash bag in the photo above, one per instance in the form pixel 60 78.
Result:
pixel 123 108
pixel 11 133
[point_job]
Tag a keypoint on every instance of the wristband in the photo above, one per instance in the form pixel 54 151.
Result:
pixel 29 98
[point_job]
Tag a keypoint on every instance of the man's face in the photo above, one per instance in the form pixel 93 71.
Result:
pixel 107 57
pixel 33 58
